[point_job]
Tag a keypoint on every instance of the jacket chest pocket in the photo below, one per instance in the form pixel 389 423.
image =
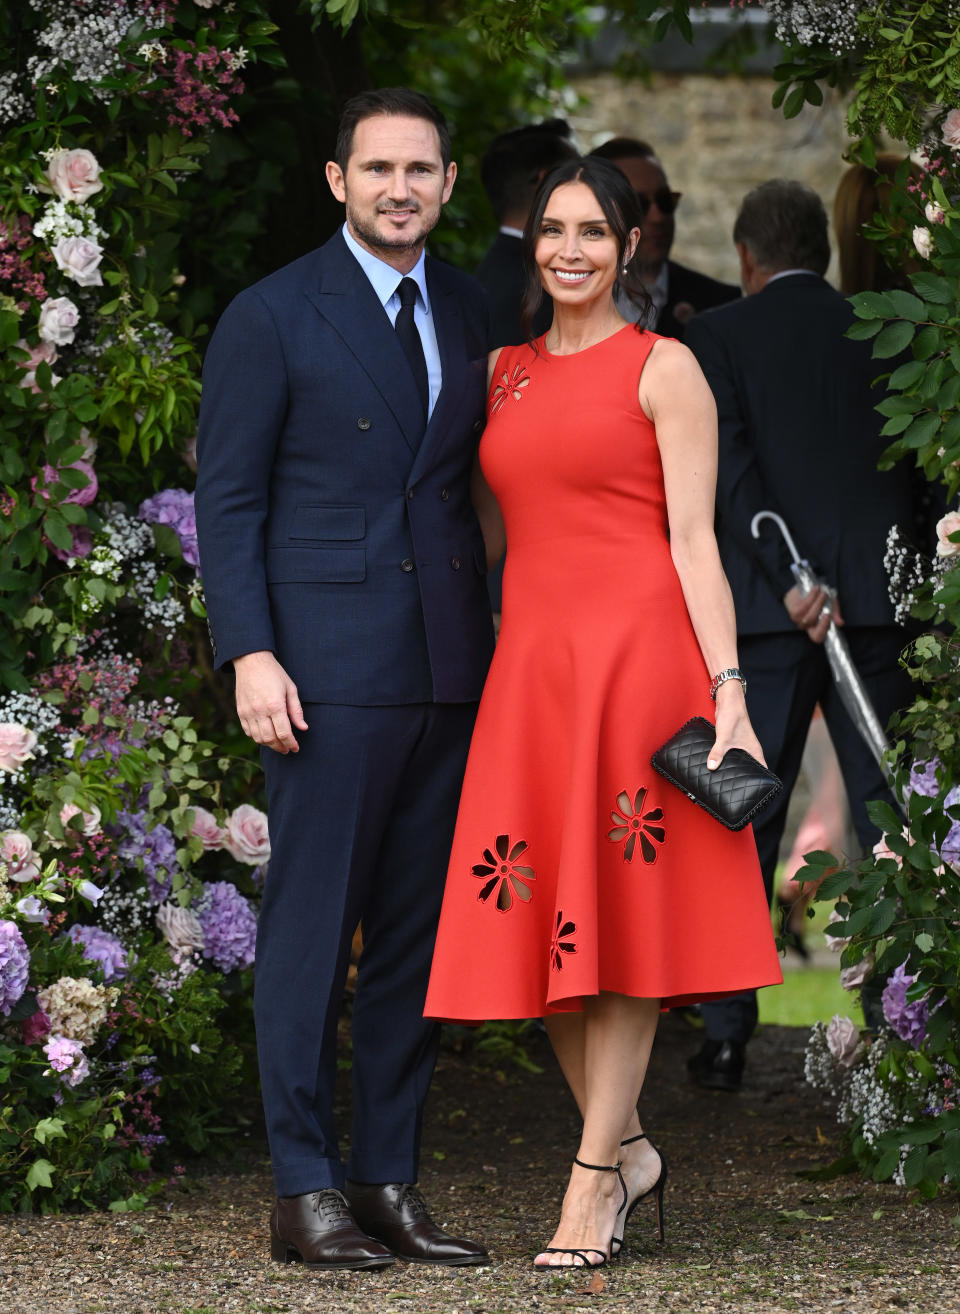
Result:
pixel 332 523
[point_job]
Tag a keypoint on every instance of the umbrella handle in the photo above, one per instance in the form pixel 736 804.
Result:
pixel 781 524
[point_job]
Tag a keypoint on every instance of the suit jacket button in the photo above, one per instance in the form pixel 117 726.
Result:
pixel 477 426
pixel 409 494
pixel 444 495
pixel 456 563
pixel 406 564
pixel 363 423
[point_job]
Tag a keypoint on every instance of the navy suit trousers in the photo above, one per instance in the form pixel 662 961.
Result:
pixel 787 676
pixel 361 823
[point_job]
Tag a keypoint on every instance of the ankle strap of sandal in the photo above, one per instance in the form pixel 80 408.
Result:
pixel 630 1139
pixel 599 1167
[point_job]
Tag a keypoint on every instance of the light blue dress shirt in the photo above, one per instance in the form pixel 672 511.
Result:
pixel 385 280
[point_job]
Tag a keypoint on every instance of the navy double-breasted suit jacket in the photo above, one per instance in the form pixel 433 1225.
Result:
pixel 333 530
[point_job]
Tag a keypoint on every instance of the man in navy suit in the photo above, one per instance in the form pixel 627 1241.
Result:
pixel 343 570
pixel 799 435
pixel 676 292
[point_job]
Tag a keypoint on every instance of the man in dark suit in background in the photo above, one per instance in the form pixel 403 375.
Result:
pixel 343 572
pixel 677 293
pixel 799 435
pixel 511 171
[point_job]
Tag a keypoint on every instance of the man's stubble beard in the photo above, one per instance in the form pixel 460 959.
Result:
pixel 373 238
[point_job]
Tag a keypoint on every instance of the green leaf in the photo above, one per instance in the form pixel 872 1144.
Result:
pixel 795 101
pixel 928 341
pixel 906 305
pixel 873 305
pixel 861 330
pixel 40 1173
pixel 934 288
pixel 48 1129
pixel 924 942
pixel 893 339
pixel 906 375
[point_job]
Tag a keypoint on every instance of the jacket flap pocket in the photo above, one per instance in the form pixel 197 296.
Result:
pixel 316 565
pixel 330 522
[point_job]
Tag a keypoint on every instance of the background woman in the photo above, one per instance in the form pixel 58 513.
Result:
pixel 582 887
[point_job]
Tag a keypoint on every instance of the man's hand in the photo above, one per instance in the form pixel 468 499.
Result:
pixel 267 702
pixel 812 611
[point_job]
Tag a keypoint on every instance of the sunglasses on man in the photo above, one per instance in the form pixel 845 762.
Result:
pixel 664 199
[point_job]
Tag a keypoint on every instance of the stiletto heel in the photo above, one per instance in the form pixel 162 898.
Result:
pixel 584 1255
pixel 656 1190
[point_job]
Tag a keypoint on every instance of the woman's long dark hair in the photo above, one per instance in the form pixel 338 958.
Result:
pixel 621 210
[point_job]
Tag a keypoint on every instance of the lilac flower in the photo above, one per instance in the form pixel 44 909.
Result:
pixel 67 1057
pixel 908 1018
pixel 101 947
pixel 923 779
pixel 14 966
pixel 229 926
pixel 155 848
pixel 174 507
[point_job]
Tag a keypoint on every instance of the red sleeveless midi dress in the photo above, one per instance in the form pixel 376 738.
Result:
pixel 575 868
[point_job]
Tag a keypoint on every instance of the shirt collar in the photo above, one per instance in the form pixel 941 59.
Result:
pixel 788 273
pixel 659 287
pixel 384 278
pixel 509 231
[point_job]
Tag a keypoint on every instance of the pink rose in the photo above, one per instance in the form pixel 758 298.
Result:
pixel 80 496
pixel 950 524
pixel 79 258
pixel 35 1027
pixel 44 351
pixel 951 130
pixel 852 978
pixel 21 859
pixel 81 547
pixel 90 821
pixel 179 927
pixel 16 745
pixel 59 318
pixel 247 838
pixel 205 828
pixel 843 1040
pixel 934 213
pixel 74 175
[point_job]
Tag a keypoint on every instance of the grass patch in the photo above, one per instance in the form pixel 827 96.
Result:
pixel 809 994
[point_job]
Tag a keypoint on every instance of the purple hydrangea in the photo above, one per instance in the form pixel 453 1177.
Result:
pixel 923 779
pixel 908 1018
pixel 67 1057
pixel 155 847
pixel 174 507
pixel 101 947
pixel 14 966
pixel 229 926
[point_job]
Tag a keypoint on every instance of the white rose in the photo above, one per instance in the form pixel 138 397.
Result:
pixel 851 978
pixel 843 1040
pixel 934 213
pixel 179 927
pixel 949 524
pixel 247 838
pixel 923 241
pixel 79 258
pixel 58 320
pixel 74 175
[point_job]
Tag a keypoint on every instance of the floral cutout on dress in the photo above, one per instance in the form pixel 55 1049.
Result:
pixel 632 824
pixel 561 943
pixel 509 385
pixel 501 873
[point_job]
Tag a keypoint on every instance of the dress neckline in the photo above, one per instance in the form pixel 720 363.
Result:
pixel 571 355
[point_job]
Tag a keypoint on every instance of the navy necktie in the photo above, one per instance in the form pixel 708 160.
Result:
pixel 410 339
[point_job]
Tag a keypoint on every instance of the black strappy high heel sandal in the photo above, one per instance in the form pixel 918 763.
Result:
pixel 656 1190
pixel 584 1255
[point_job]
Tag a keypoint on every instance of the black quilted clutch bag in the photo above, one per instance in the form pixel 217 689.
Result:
pixel 734 793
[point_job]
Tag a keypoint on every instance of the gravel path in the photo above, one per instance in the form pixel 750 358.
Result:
pixel 744 1232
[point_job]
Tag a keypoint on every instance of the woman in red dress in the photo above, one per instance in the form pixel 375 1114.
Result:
pixel 582 887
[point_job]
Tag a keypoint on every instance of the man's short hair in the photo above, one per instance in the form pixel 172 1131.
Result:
pixel 625 148
pixel 515 162
pixel 395 101
pixel 784 225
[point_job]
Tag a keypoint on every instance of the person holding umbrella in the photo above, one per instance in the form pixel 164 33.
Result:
pixel 799 436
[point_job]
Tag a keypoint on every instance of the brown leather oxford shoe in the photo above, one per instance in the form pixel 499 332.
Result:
pixel 318 1229
pixel 395 1213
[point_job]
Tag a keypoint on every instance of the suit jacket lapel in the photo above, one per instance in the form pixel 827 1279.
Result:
pixel 346 300
pixel 451 341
